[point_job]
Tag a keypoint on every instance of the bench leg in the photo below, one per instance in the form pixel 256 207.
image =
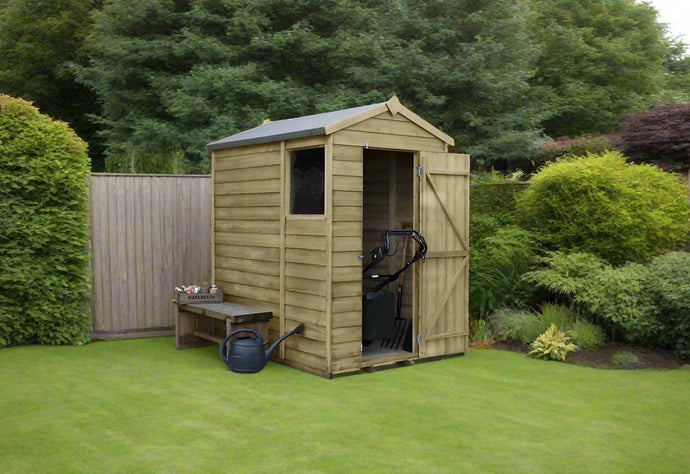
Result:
pixel 185 324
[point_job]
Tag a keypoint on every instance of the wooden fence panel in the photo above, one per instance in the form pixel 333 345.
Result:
pixel 149 233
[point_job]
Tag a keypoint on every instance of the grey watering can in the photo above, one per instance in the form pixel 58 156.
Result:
pixel 247 354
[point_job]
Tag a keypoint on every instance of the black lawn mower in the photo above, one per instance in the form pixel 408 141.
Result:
pixel 381 316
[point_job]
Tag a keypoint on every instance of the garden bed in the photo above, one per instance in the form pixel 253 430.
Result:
pixel 649 357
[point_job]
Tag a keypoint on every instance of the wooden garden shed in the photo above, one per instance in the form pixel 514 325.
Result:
pixel 298 203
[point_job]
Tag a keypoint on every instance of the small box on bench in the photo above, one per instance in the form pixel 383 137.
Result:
pixel 191 298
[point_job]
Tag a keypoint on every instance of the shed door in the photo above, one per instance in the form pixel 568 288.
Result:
pixel 444 223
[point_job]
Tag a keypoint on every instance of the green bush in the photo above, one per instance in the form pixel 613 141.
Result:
pixel 497 264
pixel 517 325
pixel 482 333
pixel 668 285
pixel 561 316
pixel 599 204
pixel 497 200
pixel 625 359
pixel 44 277
pixel 553 344
pixel 588 335
pixel 526 326
pixel 615 297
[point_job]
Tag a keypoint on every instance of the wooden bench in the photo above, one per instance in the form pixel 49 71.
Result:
pixel 202 324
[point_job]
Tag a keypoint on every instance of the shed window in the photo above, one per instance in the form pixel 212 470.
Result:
pixel 307 181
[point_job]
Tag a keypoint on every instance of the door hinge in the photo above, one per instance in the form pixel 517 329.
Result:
pixel 361 348
pixel 420 170
pixel 419 338
pixel 360 257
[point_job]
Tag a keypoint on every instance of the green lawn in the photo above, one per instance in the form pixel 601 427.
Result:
pixel 142 406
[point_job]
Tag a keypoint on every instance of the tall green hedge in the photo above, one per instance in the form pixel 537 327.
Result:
pixel 44 254
pixel 497 200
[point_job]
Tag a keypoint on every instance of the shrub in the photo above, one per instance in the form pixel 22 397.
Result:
pixel 517 325
pixel 564 146
pixel 497 264
pixel 44 278
pixel 482 334
pixel 660 135
pixel 624 359
pixel 553 344
pixel 588 335
pixel 615 296
pixel 497 200
pixel 599 204
pixel 559 315
pixel 481 227
pixel 668 285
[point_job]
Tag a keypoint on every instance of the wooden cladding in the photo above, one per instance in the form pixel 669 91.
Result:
pixel 307 267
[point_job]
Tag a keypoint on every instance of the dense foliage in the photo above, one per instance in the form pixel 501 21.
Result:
pixel 525 326
pixel 175 75
pixel 580 146
pixel 161 78
pixel 601 205
pixel 599 60
pixel 643 303
pixel 44 277
pixel 612 296
pixel 659 135
pixel 497 264
pixel 40 41
pixel 553 344
pixel 668 285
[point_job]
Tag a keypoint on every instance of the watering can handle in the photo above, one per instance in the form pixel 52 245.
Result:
pixel 227 338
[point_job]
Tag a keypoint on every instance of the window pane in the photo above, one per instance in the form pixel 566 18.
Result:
pixel 307 181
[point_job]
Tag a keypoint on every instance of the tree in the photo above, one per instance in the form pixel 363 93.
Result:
pixel 173 75
pixel 660 135
pixel 468 64
pixel 600 60
pixel 677 66
pixel 40 40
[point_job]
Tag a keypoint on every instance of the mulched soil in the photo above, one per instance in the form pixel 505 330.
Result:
pixel 649 357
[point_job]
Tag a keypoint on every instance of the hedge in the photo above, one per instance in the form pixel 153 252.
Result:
pixel 44 253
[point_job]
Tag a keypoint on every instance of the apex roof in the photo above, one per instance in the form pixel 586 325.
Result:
pixel 322 124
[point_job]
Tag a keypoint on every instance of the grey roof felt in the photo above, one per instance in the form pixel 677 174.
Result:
pixel 286 129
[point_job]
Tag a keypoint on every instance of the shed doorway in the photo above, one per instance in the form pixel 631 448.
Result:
pixel 388 204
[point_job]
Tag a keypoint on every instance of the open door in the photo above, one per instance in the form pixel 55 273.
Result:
pixel 443 219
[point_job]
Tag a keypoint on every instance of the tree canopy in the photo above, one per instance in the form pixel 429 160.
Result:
pixel 660 135
pixel 599 60
pixel 158 79
pixel 176 75
pixel 40 41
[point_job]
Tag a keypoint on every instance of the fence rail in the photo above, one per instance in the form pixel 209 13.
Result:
pixel 149 233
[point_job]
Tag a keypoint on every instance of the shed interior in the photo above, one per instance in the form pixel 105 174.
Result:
pixel 388 203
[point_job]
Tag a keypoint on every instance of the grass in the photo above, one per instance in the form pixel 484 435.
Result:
pixel 142 406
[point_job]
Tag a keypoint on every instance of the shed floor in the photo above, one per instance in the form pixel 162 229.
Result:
pixel 374 350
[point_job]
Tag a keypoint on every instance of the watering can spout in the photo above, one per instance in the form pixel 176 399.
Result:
pixel 269 351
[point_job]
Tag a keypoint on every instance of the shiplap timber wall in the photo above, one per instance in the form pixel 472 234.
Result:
pixel 350 221
pixel 247 232
pixel 149 234
pixel 305 269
